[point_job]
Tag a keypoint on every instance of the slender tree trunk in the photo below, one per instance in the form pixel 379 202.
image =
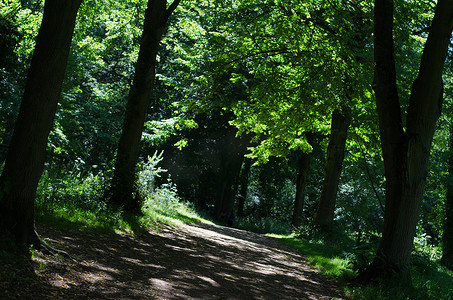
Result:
pixel 447 238
pixel 26 155
pixel 123 190
pixel 244 182
pixel 304 163
pixel 334 162
pixel 406 153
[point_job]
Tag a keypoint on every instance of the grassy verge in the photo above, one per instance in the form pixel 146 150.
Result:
pixel 77 202
pixel 337 257
pixel 325 254
pixel 164 206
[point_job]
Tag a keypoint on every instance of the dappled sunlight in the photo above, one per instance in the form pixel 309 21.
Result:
pixel 209 281
pixel 186 262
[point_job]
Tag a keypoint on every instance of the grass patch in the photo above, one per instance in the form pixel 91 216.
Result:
pixel 337 257
pixel 327 256
pixel 164 205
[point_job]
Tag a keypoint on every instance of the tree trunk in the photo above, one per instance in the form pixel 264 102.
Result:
pixel 26 155
pixel 304 163
pixel 334 162
pixel 226 191
pixel 447 238
pixel 405 154
pixel 123 190
pixel 231 157
pixel 244 182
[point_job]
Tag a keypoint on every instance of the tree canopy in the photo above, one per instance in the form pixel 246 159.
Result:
pixel 312 116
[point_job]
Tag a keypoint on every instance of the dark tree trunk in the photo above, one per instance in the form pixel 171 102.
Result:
pixel 232 152
pixel 244 182
pixel 405 153
pixel 226 189
pixel 304 163
pixel 447 238
pixel 123 190
pixel 26 154
pixel 334 162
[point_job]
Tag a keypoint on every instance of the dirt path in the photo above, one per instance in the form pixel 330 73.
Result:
pixel 189 262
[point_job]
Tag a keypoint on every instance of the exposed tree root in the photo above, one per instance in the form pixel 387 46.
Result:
pixel 41 245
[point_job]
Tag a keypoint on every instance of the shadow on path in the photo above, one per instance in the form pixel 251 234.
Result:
pixel 188 262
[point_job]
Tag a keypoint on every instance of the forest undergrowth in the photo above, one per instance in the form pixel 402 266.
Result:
pixel 79 198
pixel 326 251
pixel 74 200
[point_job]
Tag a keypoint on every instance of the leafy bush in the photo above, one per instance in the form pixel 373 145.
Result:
pixel 146 178
pixel 162 203
pixel 76 199
pixel 424 249
pixel 65 199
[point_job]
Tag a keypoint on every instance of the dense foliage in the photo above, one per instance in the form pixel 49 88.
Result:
pixel 238 85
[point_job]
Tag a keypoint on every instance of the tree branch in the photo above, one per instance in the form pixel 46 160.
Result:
pixel 172 8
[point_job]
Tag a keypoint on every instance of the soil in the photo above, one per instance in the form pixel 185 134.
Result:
pixel 188 262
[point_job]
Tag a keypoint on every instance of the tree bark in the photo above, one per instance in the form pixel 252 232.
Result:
pixel 226 189
pixel 123 191
pixel 405 153
pixel 334 162
pixel 244 182
pixel 26 154
pixel 232 152
pixel 304 163
pixel 447 237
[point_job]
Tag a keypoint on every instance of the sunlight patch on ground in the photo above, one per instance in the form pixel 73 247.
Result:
pixel 176 248
pixel 58 281
pixel 132 260
pixel 209 280
pixel 98 266
pixel 95 277
pixel 160 284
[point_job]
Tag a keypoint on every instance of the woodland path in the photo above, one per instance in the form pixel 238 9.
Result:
pixel 188 262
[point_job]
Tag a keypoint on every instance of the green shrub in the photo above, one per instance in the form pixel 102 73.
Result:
pixel 337 255
pixel 146 178
pixel 71 199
